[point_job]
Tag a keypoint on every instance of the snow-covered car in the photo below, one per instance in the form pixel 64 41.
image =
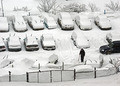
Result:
pixel 79 40
pixel 31 43
pixel 14 43
pixel 36 23
pixel 4 27
pixel 103 22
pixel 48 42
pixel 65 21
pixel 50 22
pixel 19 24
pixel 2 45
pixel 83 22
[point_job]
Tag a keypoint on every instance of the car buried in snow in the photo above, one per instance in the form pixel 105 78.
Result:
pixel 2 45
pixel 4 27
pixel 48 42
pixel 19 24
pixel 14 44
pixel 50 22
pixel 79 40
pixel 102 22
pixel 31 43
pixel 113 47
pixel 83 22
pixel 36 22
pixel 65 21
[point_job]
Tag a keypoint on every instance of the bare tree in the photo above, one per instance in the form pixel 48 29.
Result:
pixel 114 6
pixel 46 5
pixel 93 7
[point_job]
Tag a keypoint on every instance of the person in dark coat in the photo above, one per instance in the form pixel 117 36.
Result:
pixel 82 54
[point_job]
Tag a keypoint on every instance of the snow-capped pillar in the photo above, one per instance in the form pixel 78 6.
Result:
pixel 27 77
pixel 9 76
pixel 94 72
pixel 62 65
pixel 50 76
pixel 74 74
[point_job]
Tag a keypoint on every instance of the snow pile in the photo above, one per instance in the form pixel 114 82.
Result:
pixel 83 68
pixel 53 59
pixel 6 62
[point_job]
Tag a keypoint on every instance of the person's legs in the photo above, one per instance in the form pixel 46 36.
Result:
pixel 82 58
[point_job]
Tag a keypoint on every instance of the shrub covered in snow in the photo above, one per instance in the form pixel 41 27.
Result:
pixel 74 7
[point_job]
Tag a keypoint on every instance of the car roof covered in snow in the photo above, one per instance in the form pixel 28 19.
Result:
pixel 19 19
pixel 47 36
pixel 14 40
pixel 3 20
pixel 31 40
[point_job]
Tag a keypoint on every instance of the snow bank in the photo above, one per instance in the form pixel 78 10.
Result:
pixel 109 69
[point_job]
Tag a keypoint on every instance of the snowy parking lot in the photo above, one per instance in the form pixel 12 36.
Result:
pixel 68 54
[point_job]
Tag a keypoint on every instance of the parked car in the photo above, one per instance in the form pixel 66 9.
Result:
pixel 4 27
pixel 2 45
pixel 50 23
pixel 31 43
pixel 65 21
pixel 79 40
pixel 83 22
pixel 48 42
pixel 102 22
pixel 14 43
pixel 36 23
pixel 113 47
pixel 19 24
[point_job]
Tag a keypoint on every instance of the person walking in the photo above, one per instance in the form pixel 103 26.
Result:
pixel 82 54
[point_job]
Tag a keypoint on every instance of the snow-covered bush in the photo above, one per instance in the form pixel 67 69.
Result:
pixel 46 5
pixel 93 7
pixel 21 9
pixel 116 63
pixel 113 6
pixel 74 7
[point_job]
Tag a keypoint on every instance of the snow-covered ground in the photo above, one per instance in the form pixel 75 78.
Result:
pixel 65 50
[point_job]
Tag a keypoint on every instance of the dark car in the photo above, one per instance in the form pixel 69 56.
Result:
pixel 113 47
